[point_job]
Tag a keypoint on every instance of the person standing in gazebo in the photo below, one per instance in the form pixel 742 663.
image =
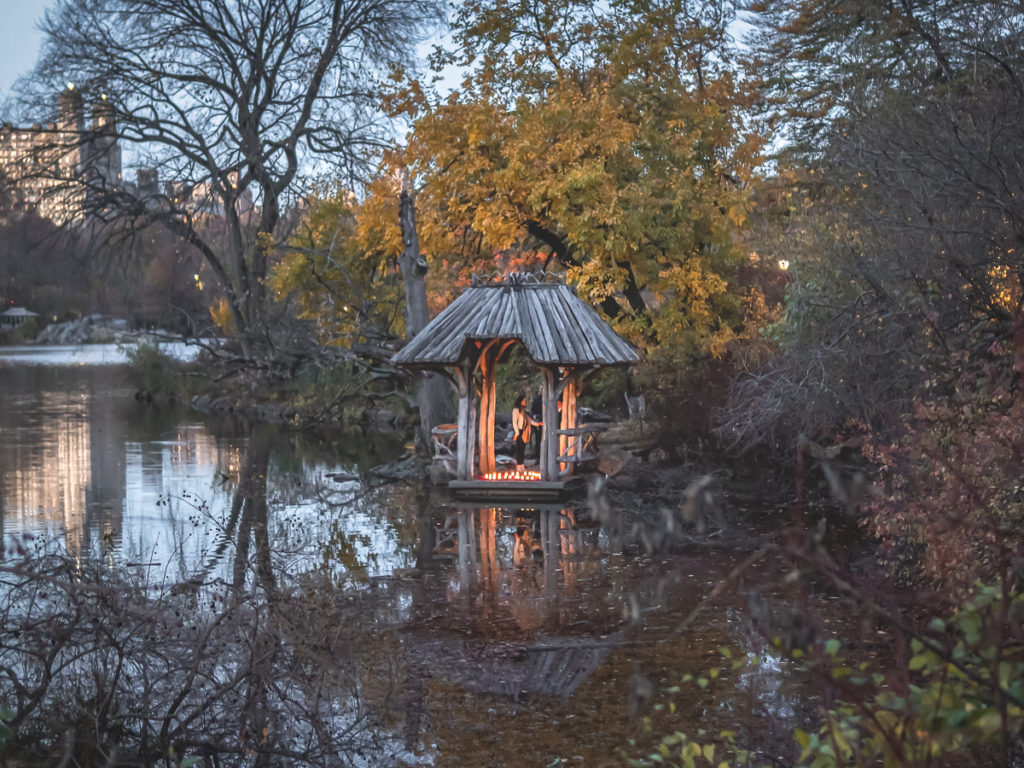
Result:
pixel 522 422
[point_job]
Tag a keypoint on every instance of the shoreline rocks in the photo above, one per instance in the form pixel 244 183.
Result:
pixel 98 329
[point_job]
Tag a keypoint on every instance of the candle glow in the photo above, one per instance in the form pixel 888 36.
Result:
pixel 523 474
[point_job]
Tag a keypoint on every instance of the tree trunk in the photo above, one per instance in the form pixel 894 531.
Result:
pixel 254 524
pixel 433 395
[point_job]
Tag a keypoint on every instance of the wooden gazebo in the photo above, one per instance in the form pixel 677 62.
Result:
pixel 564 337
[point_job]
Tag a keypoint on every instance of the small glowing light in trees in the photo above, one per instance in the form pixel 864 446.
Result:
pixel 783 264
pixel 71 86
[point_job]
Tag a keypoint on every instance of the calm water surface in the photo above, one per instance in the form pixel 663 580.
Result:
pixel 490 637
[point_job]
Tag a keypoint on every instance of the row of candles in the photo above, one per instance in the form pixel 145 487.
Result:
pixel 522 474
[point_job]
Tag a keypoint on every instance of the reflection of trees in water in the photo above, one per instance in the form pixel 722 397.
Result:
pixel 122 666
pixel 257 671
pixel 510 571
pixel 541 617
pixel 253 527
pixel 496 610
pixel 83 460
pixel 285 661
pixel 279 513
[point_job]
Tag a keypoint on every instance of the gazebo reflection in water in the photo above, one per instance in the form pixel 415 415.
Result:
pixel 482 542
pixel 514 570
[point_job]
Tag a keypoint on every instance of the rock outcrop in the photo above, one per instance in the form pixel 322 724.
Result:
pixel 96 329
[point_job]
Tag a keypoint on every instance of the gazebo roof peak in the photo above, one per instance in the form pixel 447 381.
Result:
pixel 515 277
pixel 538 309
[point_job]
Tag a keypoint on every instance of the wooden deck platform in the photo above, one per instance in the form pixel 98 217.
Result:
pixel 516 490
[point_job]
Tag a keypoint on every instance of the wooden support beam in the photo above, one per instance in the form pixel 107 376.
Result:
pixel 485 442
pixel 472 432
pixel 464 438
pixel 548 459
pixel 568 420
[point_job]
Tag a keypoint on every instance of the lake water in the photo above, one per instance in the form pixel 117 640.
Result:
pixel 95 472
pixel 474 636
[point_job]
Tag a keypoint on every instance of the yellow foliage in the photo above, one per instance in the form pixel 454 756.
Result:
pixel 597 140
pixel 342 270
pixel 221 315
pixel 592 149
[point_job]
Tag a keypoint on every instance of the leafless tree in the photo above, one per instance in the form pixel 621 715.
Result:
pixel 907 249
pixel 232 104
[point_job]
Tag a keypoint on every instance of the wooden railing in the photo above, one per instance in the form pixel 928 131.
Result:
pixel 581 443
pixel 445 436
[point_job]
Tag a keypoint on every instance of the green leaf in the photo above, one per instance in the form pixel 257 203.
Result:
pixel 802 738
pixel 990 721
pixel 832 646
pixel 970 625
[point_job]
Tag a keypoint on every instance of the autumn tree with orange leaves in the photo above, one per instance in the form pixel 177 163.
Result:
pixel 603 143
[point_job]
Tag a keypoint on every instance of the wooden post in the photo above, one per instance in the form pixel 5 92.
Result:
pixel 486 394
pixel 568 445
pixel 464 438
pixel 488 363
pixel 471 433
pixel 548 460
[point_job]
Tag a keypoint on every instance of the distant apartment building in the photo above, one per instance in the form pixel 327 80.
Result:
pixel 65 170
pixel 62 169
pixel 205 198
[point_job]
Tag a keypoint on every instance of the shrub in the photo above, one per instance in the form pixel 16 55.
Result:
pixel 951 506
pixel 156 373
pixel 958 700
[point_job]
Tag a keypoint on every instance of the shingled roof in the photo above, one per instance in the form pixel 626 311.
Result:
pixel 554 325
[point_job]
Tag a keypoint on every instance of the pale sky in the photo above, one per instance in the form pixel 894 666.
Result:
pixel 19 38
